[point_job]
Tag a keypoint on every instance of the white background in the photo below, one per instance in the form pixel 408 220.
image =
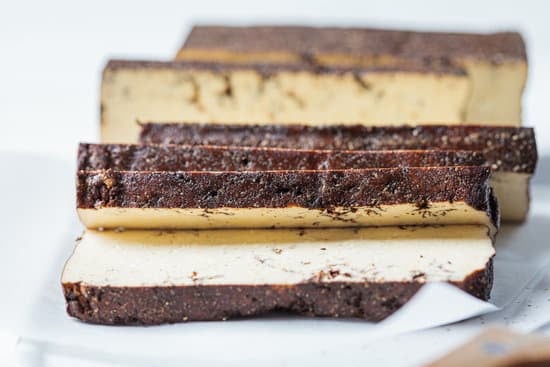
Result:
pixel 52 52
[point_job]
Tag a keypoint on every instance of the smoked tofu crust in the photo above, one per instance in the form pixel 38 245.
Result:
pixel 315 198
pixel 510 149
pixel 355 46
pixel 129 157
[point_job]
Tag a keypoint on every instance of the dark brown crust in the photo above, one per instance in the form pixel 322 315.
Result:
pixel 158 305
pixel 129 157
pixel 268 69
pixel 322 190
pixel 309 42
pixel 509 149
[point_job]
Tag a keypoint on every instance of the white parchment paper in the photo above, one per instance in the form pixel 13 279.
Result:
pixel 36 313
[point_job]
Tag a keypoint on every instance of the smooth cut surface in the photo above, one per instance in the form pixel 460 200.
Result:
pixel 287 217
pixel 254 257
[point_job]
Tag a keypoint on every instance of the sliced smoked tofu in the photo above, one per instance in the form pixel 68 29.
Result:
pixel 142 91
pixel 152 277
pixel 496 63
pixel 510 152
pixel 152 157
pixel 283 199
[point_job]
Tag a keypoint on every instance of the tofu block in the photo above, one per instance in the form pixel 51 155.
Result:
pixel 285 199
pixel 496 63
pixel 511 152
pixel 151 277
pixel 132 157
pixel 143 91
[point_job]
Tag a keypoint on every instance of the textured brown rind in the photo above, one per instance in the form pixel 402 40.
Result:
pixel 129 157
pixel 267 69
pixel 278 189
pixel 170 304
pixel 309 43
pixel 507 149
pixel 324 190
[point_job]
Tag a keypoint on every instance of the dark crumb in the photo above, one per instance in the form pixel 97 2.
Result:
pixel 418 275
pixel 362 83
pixel 374 211
pixel 347 275
pixel 423 204
pixel 334 273
pixel 323 248
pixel 302 232
pixel 278 251
pixel 228 90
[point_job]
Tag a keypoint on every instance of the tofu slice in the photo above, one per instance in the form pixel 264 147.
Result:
pixel 496 63
pixel 511 152
pixel 151 277
pixel 513 193
pixel 284 199
pixel 132 157
pixel 213 92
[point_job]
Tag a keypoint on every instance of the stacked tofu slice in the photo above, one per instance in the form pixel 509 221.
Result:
pixel 258 185
pixel 268 93
pixel 494 65
pixel 319 76
pixel 511 152
pixel 153 277
pixel 318 232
